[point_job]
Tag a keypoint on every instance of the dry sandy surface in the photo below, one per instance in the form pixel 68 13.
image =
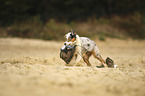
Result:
pixel 31 67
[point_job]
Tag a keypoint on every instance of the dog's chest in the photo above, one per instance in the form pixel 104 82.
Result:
pixel 87 44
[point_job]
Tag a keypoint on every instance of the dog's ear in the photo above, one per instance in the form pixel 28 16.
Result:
pixel 72 32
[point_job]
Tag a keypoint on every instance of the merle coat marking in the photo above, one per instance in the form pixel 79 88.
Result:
pixel 84 49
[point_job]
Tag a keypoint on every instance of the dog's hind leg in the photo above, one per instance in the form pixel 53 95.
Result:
pixel 97 55
pixel 86 58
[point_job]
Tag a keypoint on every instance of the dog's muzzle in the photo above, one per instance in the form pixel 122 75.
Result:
pixel 67 53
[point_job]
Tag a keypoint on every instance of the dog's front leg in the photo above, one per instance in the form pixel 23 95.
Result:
pixel 77 59
pixel 86 58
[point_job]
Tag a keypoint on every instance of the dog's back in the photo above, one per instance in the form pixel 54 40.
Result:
pixel 87 44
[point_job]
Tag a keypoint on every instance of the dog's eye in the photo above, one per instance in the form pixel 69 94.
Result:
pixel 69 39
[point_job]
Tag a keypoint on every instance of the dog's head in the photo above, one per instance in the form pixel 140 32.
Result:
pixel 70 38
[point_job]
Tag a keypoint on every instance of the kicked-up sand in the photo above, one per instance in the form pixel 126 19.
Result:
pixel 31 67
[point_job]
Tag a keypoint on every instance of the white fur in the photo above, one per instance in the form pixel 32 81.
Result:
pixel 81 43
pixel 78 49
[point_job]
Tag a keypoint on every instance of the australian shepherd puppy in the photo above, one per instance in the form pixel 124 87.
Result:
pixel 84 49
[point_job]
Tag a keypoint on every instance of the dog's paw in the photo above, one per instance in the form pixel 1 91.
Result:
pixel 102 66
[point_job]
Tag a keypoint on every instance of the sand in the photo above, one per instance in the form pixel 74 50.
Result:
pixel 31 67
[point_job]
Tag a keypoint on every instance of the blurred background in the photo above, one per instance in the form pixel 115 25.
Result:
pixel 52 19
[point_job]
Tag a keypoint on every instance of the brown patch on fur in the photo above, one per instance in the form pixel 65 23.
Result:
pixel 86 57
pixel 73 39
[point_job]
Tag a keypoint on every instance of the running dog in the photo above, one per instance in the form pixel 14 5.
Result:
pixel 84 48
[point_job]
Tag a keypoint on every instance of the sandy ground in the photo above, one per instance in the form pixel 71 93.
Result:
pixel 31 67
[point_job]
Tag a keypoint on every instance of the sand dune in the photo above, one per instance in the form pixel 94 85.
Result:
pixel 31 67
